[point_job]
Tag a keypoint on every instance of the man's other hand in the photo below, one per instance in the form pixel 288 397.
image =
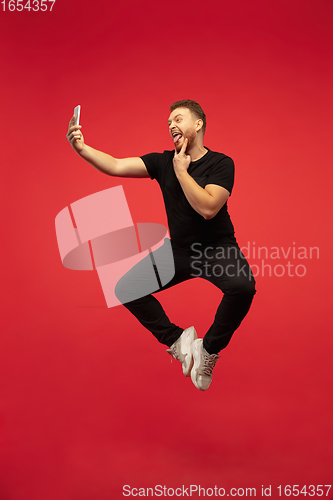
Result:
pixel 181 161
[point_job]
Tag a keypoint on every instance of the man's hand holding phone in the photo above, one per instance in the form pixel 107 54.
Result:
pixel 74 134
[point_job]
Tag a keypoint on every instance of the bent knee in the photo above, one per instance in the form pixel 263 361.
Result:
pixel 245 288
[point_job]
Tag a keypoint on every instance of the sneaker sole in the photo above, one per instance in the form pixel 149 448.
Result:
pixel 196 363
pixel 190 338
pixel 195 358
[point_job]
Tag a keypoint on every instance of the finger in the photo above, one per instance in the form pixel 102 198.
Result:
pixel 183 148
pixel 75 135
pixel 72 122
pixel 69 136
pixel 74 139
pixel 74 127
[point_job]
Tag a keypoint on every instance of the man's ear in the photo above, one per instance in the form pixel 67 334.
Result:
pixel 199 125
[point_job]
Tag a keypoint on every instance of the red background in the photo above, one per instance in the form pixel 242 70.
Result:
pixel 89 399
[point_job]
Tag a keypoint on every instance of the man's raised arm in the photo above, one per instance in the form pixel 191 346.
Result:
pixel 124 167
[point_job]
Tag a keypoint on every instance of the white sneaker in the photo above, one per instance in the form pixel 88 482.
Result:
pixel 203 364
pixel 181 349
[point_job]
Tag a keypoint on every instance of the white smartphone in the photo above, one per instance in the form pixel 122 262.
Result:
pixel 77 111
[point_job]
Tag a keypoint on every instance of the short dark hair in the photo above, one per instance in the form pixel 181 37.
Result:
pixel 192 106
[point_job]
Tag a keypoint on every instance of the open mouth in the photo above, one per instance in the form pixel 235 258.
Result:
pixel 176 136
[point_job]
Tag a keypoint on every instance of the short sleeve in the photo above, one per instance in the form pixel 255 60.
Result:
pixel 222 174
pixel 152 162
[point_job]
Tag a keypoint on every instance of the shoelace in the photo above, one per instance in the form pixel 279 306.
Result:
pixel 173 353
pixel 209 363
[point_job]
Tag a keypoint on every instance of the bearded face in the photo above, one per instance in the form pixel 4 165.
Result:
pixel 182 125
pixel 190 135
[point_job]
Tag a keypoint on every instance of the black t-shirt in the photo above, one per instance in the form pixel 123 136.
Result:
pixel 186 226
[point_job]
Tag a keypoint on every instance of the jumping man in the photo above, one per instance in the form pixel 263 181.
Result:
pixel 196 184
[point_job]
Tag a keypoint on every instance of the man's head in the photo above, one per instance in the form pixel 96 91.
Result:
pixel 186 120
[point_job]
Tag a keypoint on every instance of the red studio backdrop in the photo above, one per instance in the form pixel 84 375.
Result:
pixel 90 406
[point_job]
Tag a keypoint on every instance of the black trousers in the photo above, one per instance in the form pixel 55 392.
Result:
pixel 223 265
